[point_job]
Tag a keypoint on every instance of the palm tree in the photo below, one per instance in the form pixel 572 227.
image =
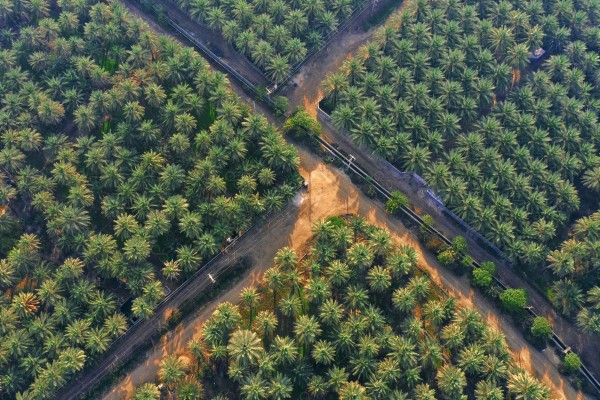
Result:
pixel 245 347
pixel 307 330
pixel 171 371
pixel 254 388
pixel 250 298
pixel 352 391
pixel 274 280
pixel 379 279
pixel 451 381
pixel 281 387
pixel 25 304
pixel 524 387
pixel 284 350
pixel 147 391
pixel 568 297
pixel 266 323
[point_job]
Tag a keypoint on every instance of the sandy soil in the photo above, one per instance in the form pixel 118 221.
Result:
pixel 332 192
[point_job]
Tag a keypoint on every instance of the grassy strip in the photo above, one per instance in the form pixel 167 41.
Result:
pixel 187 308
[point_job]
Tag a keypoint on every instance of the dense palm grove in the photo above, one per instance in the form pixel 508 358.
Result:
pixel 124 160
pixel 274 34
pixel 445 90
pixel 354 319
pixel 576 264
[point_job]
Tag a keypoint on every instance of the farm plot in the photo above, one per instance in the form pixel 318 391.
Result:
pixel 275 35
pixel 446 90
pixel 354 319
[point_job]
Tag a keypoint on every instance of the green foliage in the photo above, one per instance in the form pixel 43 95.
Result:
pixel 396 202
pixel 274 35
pixel 459 244
pixel 281 104
pixel 541 328
pixel 571 363
pixel 514 300
pixel 330 332
pixel 482 277
pixel 447 257
pixel 301 125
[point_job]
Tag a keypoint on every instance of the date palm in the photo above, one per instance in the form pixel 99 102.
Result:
pixel 245 347
pixel 523 387
pixel 147 391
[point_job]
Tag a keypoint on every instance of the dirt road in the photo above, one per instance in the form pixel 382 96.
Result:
pixel 331 192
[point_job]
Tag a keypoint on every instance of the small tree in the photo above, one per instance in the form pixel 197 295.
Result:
pixel 427 223
pixel 482 278
pixel 514 300
pixel 396 202
pixel 541 328
pixel 466 261
pixel 447 257
pixel 302 125
pixel 489 266
pixel 571 363
pixel 459 243
pixel 281 104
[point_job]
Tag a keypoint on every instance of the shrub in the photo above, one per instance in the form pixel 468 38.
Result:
pixel 541 328
pixel 459 244
pixel 466 261
pixel 396 202
pixel 489 266
pixel 514 300
pixel 427 222
pixel 302 125
pixel 447 257
pixel 281 104
pixel 482 277
pixel 571 363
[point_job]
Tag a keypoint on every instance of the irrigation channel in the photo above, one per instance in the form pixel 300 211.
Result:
pixel 348 161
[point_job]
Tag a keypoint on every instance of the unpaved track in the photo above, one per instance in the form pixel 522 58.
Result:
pixel 307 94
pixel 331 192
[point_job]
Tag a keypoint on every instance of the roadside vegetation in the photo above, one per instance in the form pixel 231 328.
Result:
pixel 125 163
pixel 274 35
pixel 446 90
pixel 355 318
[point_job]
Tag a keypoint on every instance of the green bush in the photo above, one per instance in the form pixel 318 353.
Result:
pixel 514 300
pixel 482 277
pixel 571 363
pixel 301 125
pixel 396 202
pixel 281 104
pixel 489 266
pixel 466 261
pixel 447 257
pixel 459 243
pixel 541 328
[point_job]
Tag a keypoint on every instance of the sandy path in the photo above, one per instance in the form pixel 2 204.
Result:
pixel 332 192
